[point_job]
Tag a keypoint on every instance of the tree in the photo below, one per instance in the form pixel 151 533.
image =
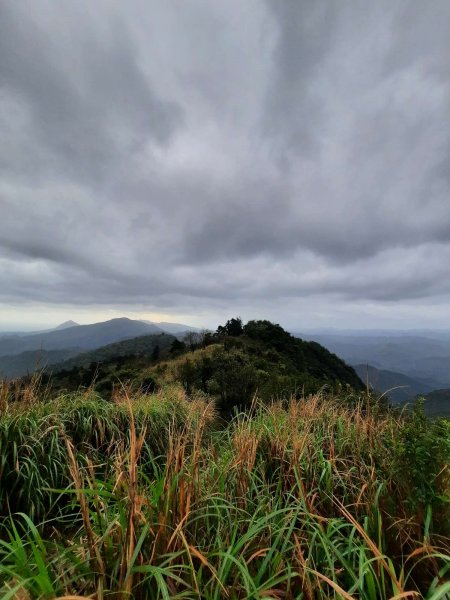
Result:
pixel 194 339
pixel 233 327
pixel 177 347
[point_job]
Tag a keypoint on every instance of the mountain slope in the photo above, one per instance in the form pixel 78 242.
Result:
pixel 399 388
pixel 416 356
pixel 110 365
pixel 177 329
pixel 26 362
pixel 138 346
pixel 437 403
pixel 262 359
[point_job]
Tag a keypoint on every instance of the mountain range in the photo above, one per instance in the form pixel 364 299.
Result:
pixel 21 353
pixel 423 357
pixel 398 387
pixel 400 364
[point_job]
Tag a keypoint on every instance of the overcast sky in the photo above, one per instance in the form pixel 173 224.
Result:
pixel 194 160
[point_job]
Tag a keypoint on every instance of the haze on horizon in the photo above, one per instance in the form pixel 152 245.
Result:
pixel 194 161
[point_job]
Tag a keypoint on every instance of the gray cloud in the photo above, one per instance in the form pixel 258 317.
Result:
pixel 86 99
pixel 201 156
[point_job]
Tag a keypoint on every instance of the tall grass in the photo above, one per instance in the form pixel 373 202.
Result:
pixel 153 497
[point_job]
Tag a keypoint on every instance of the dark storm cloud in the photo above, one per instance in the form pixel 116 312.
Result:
pixel 202 155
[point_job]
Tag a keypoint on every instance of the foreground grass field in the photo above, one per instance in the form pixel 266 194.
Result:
pixel 155 497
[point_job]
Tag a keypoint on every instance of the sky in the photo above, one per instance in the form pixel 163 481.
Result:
pixel 194 160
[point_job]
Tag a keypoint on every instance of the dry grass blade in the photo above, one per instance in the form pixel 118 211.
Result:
pixel 208 565
pixel 306 584
pixel 96 559
pixel 134 502
pixel 334 585
pixel 406 595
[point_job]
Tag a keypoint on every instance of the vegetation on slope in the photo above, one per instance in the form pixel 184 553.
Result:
pixel 397 387
pixel 151 496
pixel 30 361
pixel 437 403
pixel 101 369
pixel 239 361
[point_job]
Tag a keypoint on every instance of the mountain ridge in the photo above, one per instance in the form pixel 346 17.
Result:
pixel 399 388
pixel 24 353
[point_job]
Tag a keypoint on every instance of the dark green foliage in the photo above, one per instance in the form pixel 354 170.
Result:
pixel 268 333
pixel 177 347
pixel 107 367
pixel 148 385
pixel 437 403
pixel 265 359
pixel 422 446
pixel 156 352
pixel 233 327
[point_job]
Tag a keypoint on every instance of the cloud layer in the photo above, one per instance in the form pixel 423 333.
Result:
pixel 202 156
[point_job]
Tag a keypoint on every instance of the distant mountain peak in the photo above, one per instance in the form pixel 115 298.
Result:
pixel 67 324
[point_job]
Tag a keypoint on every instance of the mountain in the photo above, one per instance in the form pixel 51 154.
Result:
pixel 66 325
pixel 84 337
pixel 32 360
pixel 422 357
pixel 398 388
pixel 258 358
pixel 437 403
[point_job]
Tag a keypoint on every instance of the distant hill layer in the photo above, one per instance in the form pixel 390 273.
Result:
pixel 84 337
pixel 32 360
pixel 421 357
pixel 64 325
pixel 398 388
